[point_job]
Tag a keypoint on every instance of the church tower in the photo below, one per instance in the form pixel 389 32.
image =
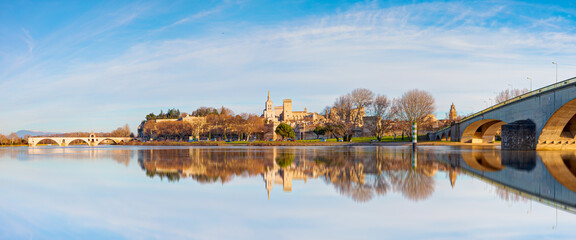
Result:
pixel 452 174
pixel 269 177
pixel 269 109
pixel 452 115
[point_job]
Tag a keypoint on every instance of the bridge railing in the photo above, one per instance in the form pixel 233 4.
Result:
pixel 518 98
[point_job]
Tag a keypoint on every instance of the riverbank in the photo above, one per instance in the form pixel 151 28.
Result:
pixel 298 143
pixel 366 141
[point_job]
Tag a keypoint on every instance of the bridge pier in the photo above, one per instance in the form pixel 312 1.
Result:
pixel 519 135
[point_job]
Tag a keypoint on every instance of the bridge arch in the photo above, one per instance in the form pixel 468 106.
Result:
pixel 74 140
pixel 115 141
pixel 482 131
pixel 443 138
pixel 487 162
pixel 46 141
pixel 561 126
pixel 562 166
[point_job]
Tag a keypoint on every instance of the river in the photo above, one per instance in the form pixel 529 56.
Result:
pixel 332 192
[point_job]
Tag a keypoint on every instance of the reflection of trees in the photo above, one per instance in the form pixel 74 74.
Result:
pixel 413 184
pixel 355 173
pixel 358 192
pixel 285 159
pixel 350 181
pixel 384 169
pixel 381 184
pixel 508 196
pixel 201 165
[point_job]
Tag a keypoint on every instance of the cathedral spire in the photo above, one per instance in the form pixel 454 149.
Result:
pixel 268 95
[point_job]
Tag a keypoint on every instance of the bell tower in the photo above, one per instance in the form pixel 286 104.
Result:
pixel 452 115
pixel 269 109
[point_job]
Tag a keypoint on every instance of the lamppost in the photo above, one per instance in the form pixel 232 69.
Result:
pixel 556 71
pixel 530 83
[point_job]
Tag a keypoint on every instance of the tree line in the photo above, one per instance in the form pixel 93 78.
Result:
pixel 348 116
pixel 345 117
pixel 210 123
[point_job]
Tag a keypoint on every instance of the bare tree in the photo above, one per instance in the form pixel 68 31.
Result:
pixel 253 124
pixel 348 111
pixel 4 140
pixel 413 106
pixel 360 98
pixel 508 94
pixel 121 132
pixel 381 115
pixel 13 138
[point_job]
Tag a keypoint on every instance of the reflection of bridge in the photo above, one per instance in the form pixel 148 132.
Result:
pixel 548 177
pixel 92 140
pixel 543 119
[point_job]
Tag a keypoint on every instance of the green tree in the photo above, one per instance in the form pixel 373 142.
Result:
pixel 285 131
pixel 151 116
pixel 319 130
pixel 285 159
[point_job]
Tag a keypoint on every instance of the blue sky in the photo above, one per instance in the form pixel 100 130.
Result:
pixel 96 65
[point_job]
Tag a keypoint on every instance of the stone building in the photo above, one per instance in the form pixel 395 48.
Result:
pixel 285 113
pixel 299 120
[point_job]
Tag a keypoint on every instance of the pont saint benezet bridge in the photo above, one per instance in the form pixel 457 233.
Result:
pixel 91 140
pixel 540 119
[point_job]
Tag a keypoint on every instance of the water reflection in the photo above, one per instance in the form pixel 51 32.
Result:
pixel 546 177
pixel 99 191
pixel 358 173
pixel 121 156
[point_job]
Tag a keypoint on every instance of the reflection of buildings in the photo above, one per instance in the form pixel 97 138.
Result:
pixel 301 169
pixel 353 173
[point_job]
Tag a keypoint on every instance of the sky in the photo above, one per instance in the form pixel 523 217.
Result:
pixel 70 66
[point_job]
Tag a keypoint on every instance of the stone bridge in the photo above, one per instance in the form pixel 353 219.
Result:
pixel 92 140
pixel 540 119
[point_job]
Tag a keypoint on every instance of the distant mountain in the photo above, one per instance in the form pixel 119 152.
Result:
pixel 33 133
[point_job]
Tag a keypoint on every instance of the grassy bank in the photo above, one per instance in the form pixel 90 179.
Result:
pixel 310 142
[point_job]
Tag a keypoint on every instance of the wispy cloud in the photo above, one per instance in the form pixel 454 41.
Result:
pixel 194 17
pixel 28 39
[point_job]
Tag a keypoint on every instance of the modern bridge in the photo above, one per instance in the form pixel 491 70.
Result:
pixel 540 119
pixel 91 140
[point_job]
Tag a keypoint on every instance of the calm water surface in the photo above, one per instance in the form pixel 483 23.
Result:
pixel 119 192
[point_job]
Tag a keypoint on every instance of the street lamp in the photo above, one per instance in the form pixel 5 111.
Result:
pixel 530 83
pixel 556 71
